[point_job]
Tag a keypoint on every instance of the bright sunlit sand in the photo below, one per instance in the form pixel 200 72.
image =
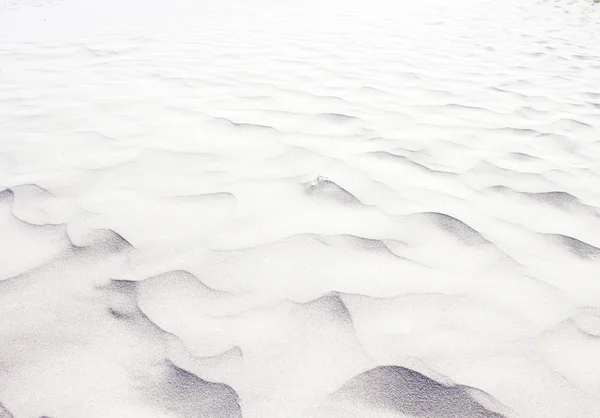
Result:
pixel 316 209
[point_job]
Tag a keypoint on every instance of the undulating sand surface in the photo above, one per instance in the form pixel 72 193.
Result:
pixel 315 209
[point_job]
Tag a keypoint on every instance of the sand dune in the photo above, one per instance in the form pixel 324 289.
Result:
pixel 315 209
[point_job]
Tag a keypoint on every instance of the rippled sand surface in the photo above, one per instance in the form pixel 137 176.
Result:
pixel 299 209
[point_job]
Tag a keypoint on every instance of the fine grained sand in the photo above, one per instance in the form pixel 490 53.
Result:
pixel 299 209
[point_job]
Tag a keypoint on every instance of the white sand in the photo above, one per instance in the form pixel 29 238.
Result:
pixel 299 209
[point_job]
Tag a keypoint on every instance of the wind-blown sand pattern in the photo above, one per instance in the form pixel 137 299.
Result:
pixel 299 209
